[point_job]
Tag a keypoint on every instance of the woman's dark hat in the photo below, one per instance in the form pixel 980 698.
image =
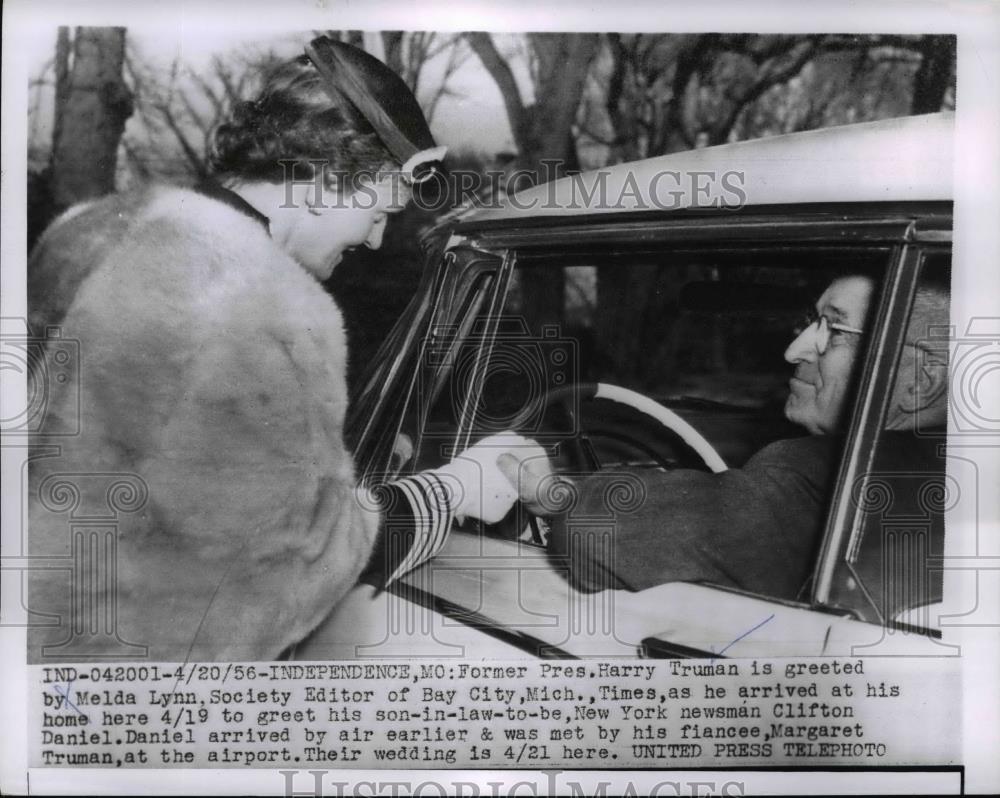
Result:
pixel 384 99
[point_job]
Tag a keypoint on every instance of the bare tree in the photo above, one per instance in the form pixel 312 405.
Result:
pixel 662 93
pixel 543 130
pixel 181 109
pixel 670 92
pixel 935 75
pixel 408 53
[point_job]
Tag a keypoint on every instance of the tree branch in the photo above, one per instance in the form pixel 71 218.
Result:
pixel 210 93
pixel 226 76
pixel 196 161
pixel 771 75
pixel 482 45
pixel 586 130
pixel 690 58
pixel 455 59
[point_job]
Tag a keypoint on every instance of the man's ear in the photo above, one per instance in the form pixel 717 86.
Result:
pixel 931 382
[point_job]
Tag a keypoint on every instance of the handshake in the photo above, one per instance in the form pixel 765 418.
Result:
pixel 486 480
pixel 482 482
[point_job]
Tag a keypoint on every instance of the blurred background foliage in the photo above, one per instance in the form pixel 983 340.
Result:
pixel 583 100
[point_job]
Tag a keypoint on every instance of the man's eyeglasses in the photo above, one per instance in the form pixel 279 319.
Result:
pixel 824 329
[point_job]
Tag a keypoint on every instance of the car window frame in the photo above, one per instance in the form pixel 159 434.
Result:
pixel 846 519
pixel 893 226
pixel 443 273
pixel 388 390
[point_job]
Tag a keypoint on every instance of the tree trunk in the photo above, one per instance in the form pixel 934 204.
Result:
pixel 92 104
pixel 674 132
pixel 934 76
pixel 548 147
pixel 563 63
pixel 392 44
pixel 543 132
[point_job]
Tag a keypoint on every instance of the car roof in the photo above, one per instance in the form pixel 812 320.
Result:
pixel 894 160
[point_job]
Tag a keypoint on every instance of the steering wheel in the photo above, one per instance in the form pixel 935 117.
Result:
pixel 626 405
pixel 670 441
pixel 626 430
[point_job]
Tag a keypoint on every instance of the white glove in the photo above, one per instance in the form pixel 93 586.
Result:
pixel 483 481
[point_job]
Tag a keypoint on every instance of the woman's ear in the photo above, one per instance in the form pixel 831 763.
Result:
pixel 296 195
pixel 315 197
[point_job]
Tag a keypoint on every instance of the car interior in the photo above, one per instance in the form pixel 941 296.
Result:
pixel 702 331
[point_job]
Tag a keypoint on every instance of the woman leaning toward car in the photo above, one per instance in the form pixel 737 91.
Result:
pixel 212 382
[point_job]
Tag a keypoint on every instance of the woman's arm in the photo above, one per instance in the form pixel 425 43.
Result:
pixel 418 511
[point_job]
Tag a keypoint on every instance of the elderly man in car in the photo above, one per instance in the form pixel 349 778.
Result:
pixel 758 527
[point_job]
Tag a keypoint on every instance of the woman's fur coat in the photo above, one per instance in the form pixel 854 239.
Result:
pixel 212 371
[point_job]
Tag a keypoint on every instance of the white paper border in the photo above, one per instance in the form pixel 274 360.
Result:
pixel 28 24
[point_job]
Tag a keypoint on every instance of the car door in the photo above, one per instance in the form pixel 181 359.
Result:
pixel 511 590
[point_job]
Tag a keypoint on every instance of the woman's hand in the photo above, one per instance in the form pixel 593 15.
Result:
pixel 485 480
pixel 402 452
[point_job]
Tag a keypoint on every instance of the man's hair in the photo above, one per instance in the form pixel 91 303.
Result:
pixel 928 374
pixel 294 119
pixel 930 311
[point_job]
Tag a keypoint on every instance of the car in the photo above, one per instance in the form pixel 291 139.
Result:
pixel 634 318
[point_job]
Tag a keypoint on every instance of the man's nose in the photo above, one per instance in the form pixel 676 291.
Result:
pixel 374 240
pixel 803 348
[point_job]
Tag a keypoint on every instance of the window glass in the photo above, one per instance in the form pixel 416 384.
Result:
pixel 714 336
pixel 450 347
pixel 890 574
pixel 703 333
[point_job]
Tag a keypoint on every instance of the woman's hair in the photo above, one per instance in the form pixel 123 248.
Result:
pixel 293 119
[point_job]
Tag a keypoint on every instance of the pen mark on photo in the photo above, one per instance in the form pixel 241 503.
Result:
pixel 67 701
pixel 201 623
pixel 748 632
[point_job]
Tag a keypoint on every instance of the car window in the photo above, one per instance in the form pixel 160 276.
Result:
pixel 450 344
pixel 888 570
pixel 702 332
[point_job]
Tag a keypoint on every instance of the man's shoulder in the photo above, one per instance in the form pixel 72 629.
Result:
pixel 818 454
pixel 789 452
pixel 808 462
